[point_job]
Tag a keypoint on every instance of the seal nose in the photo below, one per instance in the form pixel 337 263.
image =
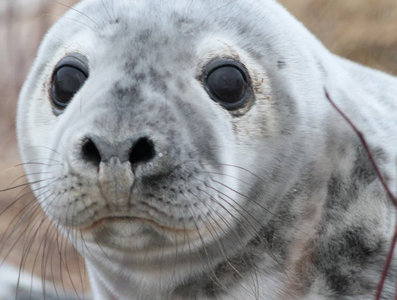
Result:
pixel 96 150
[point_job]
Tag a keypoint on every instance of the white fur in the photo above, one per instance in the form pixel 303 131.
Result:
pixel 256 140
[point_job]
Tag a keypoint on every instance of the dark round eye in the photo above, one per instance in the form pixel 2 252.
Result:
pixel 226 82
pixel 69 76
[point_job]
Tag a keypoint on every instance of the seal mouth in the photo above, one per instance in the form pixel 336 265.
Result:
pixel 110 219
pixel 122 219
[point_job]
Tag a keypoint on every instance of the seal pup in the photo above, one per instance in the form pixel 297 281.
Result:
pixel 190 153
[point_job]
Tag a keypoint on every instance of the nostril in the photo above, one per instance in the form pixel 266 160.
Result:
pixel 90 152
pixel 142 151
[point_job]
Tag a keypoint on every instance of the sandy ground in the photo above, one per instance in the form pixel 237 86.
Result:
pixel 361 30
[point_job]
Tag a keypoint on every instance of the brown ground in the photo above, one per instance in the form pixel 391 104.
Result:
pixel 361 30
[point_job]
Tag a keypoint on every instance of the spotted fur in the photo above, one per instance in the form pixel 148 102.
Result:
pixel 275 200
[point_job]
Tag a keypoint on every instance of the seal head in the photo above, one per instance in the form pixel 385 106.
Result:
pixel 184 148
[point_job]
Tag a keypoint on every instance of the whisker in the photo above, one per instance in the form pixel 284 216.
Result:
pixel 26 248
pixel 26 175
pixel 36 163
pixel 63 17
pixel 23 185
pixel 215 278
pixel 65 251
pixel 231 228
pixel 232 166
pixel 76 10
pixel 19 198
pixel 286 271
pixel 42 147
pixel 52 237
pixel 26 211
pixel 106 9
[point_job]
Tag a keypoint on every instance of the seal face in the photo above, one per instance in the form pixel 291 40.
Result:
pixel 190 150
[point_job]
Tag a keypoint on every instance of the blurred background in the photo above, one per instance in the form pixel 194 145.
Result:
pixel 361 30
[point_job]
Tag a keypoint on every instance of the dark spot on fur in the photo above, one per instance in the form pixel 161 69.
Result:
pixel 281 64
pixel 140 77
pixel 243 29
pixel 343 257
pixel 181 20
pixel 257 55
pixel 363 169
pixel 157 80
pixel 129 93
pixel 321 67
pixel 335 187
pixel 131 65
pixel 181 86
pixel 144 36
pixel 360 246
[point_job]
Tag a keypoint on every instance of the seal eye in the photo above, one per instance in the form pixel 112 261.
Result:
pixel 69 76
pixel 226 83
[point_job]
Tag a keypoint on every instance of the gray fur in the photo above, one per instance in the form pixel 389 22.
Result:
pixel 276 200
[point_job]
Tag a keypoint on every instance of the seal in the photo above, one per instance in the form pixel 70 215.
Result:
pixel 188 151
